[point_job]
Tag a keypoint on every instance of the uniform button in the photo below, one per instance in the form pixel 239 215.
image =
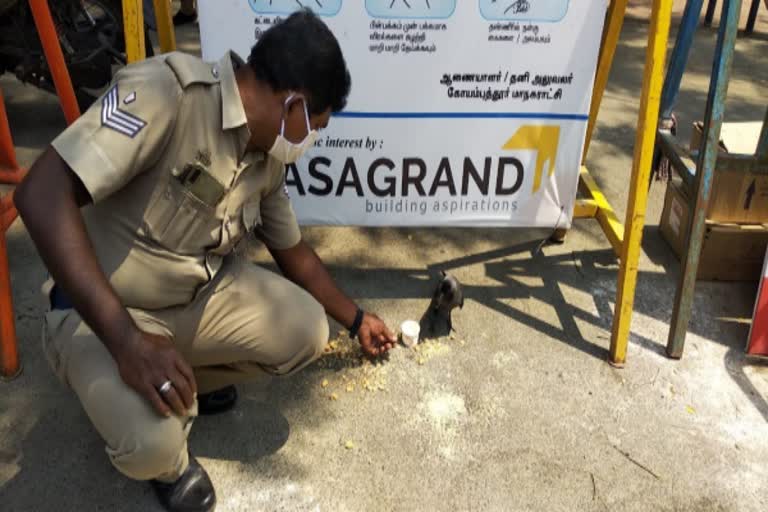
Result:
pixel 215 72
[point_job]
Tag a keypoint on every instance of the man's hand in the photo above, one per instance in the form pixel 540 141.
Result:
pixel 301 265
pixel 149 361
pixel 375 338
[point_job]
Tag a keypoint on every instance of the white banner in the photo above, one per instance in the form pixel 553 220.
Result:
pixel 462 112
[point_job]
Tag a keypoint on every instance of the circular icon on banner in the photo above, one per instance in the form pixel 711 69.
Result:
pixel 320 7
pixel 411 9
pixel 524 10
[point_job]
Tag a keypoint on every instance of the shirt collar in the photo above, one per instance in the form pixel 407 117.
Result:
pixel 233 113
pixel 232 110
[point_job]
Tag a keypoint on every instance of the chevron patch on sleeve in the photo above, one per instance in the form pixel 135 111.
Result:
pixel 119 120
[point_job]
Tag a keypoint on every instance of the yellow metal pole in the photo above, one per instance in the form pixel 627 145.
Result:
pixel 612 227
pixel 165 30
pixel 585 209
pixel 607 51
pixel 641 169
pixel 133 25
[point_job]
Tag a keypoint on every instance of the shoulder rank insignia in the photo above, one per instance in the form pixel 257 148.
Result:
pixel 119 120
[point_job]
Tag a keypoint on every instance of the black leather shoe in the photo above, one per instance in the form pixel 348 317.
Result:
pixel 192 492
pixel 217 401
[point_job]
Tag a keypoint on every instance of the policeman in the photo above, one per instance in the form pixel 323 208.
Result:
pixel 135 210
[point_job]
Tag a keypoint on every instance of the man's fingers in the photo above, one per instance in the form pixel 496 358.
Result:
pixel 385 342
pixel 153 395
pixel 367 342
pixel 183 389
pixel 172 398
pixel 368 348
pixel 384 331
pixel 382 342
pixel 188 374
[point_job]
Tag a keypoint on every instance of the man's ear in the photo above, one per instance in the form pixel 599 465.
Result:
pixel 297 101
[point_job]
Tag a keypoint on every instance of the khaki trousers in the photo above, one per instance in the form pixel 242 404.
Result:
pixel 247 323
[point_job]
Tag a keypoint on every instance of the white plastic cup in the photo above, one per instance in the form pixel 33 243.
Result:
pixel 410 333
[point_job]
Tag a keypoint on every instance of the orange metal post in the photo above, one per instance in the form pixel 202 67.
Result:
pixel 9 355
pixel 50 40
pixel 8 165
pixel 9 173
pixel 7 212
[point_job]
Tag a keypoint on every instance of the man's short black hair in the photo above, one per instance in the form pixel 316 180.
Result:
pixel 301 54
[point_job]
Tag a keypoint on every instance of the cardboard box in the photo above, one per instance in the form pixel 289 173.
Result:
pixel 729 252
pixel 737 197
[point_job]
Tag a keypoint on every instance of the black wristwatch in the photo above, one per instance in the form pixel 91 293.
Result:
pixel 356 324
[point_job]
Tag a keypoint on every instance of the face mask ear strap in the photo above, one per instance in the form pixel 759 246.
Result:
pixel 306 116
pixel 285 111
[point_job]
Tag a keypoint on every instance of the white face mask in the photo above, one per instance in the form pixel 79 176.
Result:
pixel 286 151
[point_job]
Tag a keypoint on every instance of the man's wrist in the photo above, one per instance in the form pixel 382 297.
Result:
pixel 124 338
pixel 358 321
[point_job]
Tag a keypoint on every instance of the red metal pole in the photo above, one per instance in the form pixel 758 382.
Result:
pixel 50 40
pixel 9 356
pixel 8 162
pixel 9 173
pixel 7 212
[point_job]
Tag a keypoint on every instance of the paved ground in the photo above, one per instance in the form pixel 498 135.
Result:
pixel 519 412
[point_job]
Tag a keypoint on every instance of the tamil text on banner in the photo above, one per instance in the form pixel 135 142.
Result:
pixel 462 112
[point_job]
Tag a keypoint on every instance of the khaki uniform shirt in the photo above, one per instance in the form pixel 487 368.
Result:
pixel 162 155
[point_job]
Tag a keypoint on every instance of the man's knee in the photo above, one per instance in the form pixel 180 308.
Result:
pixel 149 452
pixel 316 330
pixel 307 337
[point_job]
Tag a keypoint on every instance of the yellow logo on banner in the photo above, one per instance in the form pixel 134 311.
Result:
pixel 544 140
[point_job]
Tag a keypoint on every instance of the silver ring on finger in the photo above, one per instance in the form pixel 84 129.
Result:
pixel 165 387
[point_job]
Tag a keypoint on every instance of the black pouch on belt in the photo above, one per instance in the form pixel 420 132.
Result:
pixel 59 300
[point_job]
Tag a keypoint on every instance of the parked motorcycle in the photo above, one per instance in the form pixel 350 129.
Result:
pixel 90 34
